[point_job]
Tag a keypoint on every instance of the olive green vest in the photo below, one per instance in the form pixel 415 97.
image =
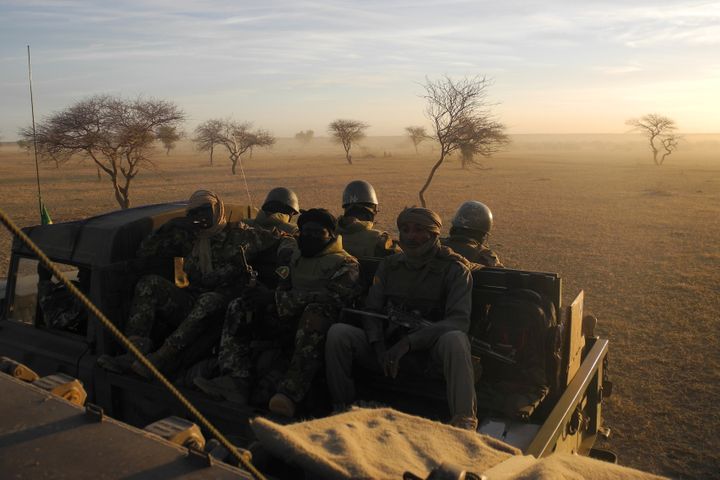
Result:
pixel 313 273
pixel 263 220
pixel 418 289
pixel 472 250
pixel 362 243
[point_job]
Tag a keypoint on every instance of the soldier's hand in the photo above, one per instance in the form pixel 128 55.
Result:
pixel 391 364
pixel 379 348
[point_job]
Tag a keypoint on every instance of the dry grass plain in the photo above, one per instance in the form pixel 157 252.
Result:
pixel 642 241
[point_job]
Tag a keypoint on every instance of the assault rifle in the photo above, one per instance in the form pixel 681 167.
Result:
pixel 413 322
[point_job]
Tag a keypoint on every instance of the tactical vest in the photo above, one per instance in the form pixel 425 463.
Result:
pixel 362 243
pixel 268 222
pixel 313 273
pixel 472 250
pixel 421 289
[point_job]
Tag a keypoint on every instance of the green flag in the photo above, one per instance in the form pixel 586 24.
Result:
pixel 44 215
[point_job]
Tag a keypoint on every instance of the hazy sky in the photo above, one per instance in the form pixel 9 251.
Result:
pixel 557 66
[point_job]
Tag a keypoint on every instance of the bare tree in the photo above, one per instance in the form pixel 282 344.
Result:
pixel 417 136
pixel 483 137
pixel 460 115
pixel 168 136
pixel 117 134
pixel 657 127
pixel 238 139
pixel 304 136
pixel 207 135
pixel 347 132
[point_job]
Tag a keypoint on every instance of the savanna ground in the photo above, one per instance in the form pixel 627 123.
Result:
pixel 642 241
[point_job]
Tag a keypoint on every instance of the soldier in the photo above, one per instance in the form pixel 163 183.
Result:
pixel 320 279
pixel 216 270
pixel 280 205
pixel 60 309
pixel 427 279
pixel 356 224
pixel 469 233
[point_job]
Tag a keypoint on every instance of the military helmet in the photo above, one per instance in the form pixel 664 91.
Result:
pixel 473 215
pixel 359 191
pixel 284 196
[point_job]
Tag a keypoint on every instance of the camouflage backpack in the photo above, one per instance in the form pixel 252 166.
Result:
pixel 523 325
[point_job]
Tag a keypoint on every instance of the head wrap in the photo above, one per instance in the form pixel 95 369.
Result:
pixel 318 215
pixel 201 249
pixel 422 216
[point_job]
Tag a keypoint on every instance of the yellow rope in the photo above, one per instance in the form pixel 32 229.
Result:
pixel 128 345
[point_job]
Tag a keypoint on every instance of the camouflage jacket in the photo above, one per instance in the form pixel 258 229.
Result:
pixel 472 250
pixel 228 267
pixel 332 277
pixel 60 309
pixel 361 240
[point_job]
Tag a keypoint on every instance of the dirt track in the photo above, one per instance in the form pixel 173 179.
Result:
pixel 643 242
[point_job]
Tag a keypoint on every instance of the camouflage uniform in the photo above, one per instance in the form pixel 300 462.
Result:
pixel 361 240
pixel 268 221
pixel 187 310
pixel 60 309
pixel 307 302
pixel 472 250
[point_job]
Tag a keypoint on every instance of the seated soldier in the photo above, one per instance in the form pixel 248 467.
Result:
pixel 360 239
pixel 320 279
pixel 280 205
pixel 431 281
pixel 215 266
pixel 59 308
pixel 469 233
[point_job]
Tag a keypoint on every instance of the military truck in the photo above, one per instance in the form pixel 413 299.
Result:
pixel 568 418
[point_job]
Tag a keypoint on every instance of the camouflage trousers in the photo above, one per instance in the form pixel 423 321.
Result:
pixel 185 313
pixel 242 340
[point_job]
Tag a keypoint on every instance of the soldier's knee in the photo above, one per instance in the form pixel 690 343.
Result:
pixel 210 300
pixel 149 284
pixel 338 337
pixel 317 318
pixel 454 343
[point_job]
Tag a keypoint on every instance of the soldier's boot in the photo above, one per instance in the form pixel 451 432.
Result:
pixel 164 359
pixel 122 363
pixel 465 422
pixel 281 404
pixel 225 387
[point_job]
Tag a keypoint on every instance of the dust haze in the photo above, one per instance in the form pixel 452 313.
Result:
pixel 641 240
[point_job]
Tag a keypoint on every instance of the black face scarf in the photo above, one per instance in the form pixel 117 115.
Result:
pixel 311 246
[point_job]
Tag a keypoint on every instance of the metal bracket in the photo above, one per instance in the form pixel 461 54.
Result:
pixel 94 413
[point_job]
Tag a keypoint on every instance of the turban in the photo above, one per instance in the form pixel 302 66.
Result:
pixel 422 216
pixel 318 215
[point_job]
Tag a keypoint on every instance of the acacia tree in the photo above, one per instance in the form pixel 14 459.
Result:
pixel 168 136
pixel 304 136
pixel 207 135
pixel 347 132
pixel 417 136
pixel 483 138
pixel 115 133
pixel 657 127
pixel 460 115
pixel 238 139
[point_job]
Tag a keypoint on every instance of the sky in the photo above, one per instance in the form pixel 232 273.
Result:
pixel 561 66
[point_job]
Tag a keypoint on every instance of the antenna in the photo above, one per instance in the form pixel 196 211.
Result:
pixel 32 111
